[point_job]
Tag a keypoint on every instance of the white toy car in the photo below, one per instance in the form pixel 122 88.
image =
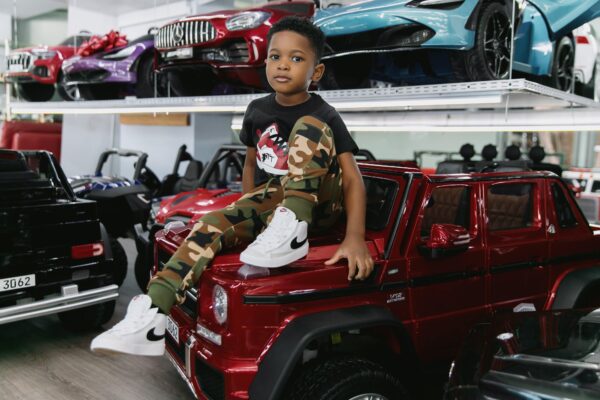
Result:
pixel 586 182
pixel 586 55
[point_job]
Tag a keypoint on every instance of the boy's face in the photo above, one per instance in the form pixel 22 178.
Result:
pixel 291 65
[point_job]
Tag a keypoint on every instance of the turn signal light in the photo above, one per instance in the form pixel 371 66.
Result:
pixel 87 250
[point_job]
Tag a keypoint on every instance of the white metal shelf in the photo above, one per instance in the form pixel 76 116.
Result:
pixel 471 96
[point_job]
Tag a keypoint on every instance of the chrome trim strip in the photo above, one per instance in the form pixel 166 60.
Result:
pixel 189 347
pixel 58 304
pixel 181 373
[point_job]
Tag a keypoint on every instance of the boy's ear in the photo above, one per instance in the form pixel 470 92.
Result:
pixel 318 73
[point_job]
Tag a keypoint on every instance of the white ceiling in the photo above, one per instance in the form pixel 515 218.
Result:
pixel 31 8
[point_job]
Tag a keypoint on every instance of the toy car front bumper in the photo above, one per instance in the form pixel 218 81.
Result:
pixel 209 375
pixel 70 298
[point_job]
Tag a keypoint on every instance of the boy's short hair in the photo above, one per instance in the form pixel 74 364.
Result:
pixel 301 26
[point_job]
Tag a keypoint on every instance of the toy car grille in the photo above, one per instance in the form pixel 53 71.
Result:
pixel 184 33
pixel 18 61
pixel 211 382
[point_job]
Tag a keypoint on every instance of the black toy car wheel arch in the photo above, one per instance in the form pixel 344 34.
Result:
pixel 346 378
pixel 119 257
pixel 563 64
pixel 490 57
pixel 33 91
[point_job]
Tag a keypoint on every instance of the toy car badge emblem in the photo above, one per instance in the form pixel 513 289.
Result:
pixel 178 33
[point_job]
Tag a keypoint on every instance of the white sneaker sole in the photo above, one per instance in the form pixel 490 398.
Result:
pixel 282 261
pixel 106 347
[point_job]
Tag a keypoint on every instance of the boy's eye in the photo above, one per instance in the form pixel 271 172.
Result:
pixel 297 59
pixel 274 57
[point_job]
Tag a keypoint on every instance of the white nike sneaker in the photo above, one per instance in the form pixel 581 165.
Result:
pixel 141 332
pixel 284 241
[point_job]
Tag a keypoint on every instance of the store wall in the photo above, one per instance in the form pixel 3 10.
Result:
pixel 401 146
pixel 49 29
pixel 95 22
pixel 137 23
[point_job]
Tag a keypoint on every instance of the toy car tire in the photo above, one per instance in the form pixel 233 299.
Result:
pixel 476 61
pixel 33 91
pixel 87 318
pixel 345 378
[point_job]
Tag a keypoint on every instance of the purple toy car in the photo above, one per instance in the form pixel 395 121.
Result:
pixel 116 73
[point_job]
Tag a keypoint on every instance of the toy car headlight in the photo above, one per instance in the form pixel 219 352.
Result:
pixel 44 54
pixel 219 304
pixel 246 20
pixel 435 3
pixel 121 54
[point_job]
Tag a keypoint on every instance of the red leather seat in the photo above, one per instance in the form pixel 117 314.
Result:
pixel 25 135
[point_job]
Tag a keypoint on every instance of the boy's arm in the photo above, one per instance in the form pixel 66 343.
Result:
pixel 249 169
pixel 353 247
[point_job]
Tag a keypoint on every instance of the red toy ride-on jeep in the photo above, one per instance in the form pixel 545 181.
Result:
pixel 450 250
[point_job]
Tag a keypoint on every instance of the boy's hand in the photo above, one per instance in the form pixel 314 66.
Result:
pixel 355 250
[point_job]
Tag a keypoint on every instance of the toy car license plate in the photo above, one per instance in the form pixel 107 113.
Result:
pixel 17 282
pixel 173 329
pixel 15 68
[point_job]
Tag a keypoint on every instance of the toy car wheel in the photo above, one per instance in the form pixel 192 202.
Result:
pixel 35 91
pixel 563 65
pixel 119 261
pixel 87 318
pixel 490 57
pixel 100 92
pixel 143 273
pixel 348 378
pixel 67 92
pixel 147 79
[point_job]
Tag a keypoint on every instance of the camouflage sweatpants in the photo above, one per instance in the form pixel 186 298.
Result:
pixel 312 189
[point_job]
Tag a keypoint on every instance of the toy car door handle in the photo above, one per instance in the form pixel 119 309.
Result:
pixel 551 229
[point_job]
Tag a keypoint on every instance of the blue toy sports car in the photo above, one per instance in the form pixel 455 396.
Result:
pixel 398 42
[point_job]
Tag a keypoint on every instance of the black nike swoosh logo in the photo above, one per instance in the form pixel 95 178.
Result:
pixel 295 245
pixel 151 336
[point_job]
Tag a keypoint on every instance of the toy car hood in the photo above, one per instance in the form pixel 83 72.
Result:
pixel 227 265
pixel 195 204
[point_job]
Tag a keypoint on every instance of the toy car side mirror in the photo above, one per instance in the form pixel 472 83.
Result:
pixel 445 239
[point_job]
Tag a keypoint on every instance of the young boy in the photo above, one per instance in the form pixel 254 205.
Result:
pixel 298 147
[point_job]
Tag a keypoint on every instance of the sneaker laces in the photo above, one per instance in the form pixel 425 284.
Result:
pixel 275 233
pixel 130 322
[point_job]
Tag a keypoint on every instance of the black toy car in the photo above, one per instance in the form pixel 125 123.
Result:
pixel 122 202
pixel 54 252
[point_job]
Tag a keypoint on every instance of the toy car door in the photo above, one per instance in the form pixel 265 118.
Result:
pixel 563 16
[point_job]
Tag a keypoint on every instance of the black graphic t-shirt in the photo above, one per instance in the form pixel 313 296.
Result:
pixel 267 126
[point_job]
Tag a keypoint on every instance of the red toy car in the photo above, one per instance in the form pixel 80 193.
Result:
pixel 35 71
pixel 450 250
pixel 227 46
